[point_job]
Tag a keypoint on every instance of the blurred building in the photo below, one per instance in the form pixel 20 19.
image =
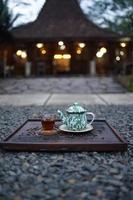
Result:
pixel 63 40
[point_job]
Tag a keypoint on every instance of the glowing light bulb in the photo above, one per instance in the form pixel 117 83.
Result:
pixel 57 56
pixel 118 58
pixel 66 56
pixel 19 52
pixel 121 53
pixel 60 43
pixel 81 45
pixel 39 45
pixel 123 44
pixel 44 51
pixel 79 51
pixel 62 47
pixel 103 50
pixel 23 55
pixel 99 54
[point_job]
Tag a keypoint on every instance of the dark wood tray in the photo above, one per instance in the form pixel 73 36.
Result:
pixel 29 137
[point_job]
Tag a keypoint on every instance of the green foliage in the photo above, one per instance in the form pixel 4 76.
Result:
pixel 126 81
pixel 7 18
pixel 4 20
pixel 130 86
pixel 121 10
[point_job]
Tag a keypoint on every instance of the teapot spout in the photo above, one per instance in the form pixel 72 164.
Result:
pixel 61 116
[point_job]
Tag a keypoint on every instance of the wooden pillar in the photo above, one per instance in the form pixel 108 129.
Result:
pixel 129 50
pixel 111 51
pixel 51 51
pixel 31 56
pixel 30 51
pixel 72 52
pixel 29 62
pixel 92 58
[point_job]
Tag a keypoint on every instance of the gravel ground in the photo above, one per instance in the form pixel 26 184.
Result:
pixel 66 176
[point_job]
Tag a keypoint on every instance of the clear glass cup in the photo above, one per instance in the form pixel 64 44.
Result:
pixel 48 122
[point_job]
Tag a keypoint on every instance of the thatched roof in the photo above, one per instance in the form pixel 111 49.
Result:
pixel 61 19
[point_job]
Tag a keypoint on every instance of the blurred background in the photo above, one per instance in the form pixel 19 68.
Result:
pixel 74 37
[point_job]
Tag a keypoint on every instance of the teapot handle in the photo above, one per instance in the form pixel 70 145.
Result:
pixel 93 117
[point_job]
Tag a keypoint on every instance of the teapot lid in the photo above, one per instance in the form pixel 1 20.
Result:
pixel 76 108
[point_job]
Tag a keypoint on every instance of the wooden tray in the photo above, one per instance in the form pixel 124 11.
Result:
pixel 29 137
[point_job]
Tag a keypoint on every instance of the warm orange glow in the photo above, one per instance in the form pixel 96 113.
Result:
pixel 60 56
pixel 60 43
pixel 66 56
pixel 103 50
pixel 123 44
pixel 62 47
pixel 23 55
pixel 122 53
pixel 57 56
pixel 39 45
pixel 44 51
pixel 19 52
pixel 118 58
pixel 79 51
pixel 99 54
pixel 81 45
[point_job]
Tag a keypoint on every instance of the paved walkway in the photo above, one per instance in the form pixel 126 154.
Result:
pixel 69 85
pixel 61 91
pixel 66 99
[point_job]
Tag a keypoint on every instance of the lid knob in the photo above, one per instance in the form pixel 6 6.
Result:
pixel 76 108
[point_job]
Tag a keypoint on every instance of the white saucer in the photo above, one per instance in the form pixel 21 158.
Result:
pixel 63 127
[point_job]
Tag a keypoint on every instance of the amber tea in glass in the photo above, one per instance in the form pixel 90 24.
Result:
pixel 48 123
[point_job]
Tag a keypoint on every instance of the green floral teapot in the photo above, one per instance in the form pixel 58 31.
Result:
pixel 75 117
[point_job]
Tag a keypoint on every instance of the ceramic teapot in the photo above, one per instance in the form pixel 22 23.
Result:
pixel 75 117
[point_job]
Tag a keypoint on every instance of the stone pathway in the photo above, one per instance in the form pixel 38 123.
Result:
pixel 70 85
pixel 61 91
pixel 65 99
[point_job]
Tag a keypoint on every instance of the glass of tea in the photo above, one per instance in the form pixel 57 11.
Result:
pixel 48 122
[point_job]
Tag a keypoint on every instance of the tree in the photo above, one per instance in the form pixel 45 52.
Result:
pixel 7 19
pixel 117 15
